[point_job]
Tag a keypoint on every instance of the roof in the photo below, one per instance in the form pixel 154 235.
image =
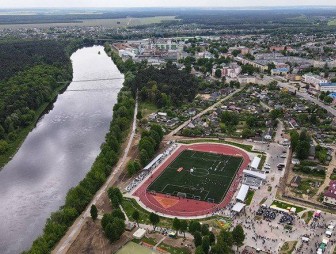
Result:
pixel 331 192
pixel 139 233
pixel 242 192
pixel 328 84
pixel 255 163
pixel 281 69
pixel 296 179
pixel 238 207
pixel 255 174
pixel 153 161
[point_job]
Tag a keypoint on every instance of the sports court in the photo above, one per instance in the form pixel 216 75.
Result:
pixel 217 172
pixel 203 176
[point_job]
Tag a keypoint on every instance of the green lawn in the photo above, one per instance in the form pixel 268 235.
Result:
pixel 204 140
pixel 203 176
pixel 174 250
pixel 307 216
pixel 284 205
pixel 147 108
pixel 262 161
pixel 332 22
pixel 133 247
pixel 249 197
pixel 288 247
pixel 130 205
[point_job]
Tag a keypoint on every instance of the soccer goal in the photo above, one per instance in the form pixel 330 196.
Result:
pixel 211 200
pixel 181 194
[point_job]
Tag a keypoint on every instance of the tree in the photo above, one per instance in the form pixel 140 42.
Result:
pixel 184 226
pixel 197 238
pixel 205 229
pixel 238 236
pixel 294 135
pixel 136 216
pixel 212 237
pixel 199 250
pixel 94 212
pixel 303 147
pixel 206 244
pixel 117 213
pixel 194 226
pixel 114 229
pixel 3 146
pixel 218 73
pixel 130 168
pixel 154 219
pixel 115 196
pixel 176 224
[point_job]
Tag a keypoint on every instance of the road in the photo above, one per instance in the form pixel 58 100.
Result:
pixel 172 133
pixel 302 94
pixel 72 233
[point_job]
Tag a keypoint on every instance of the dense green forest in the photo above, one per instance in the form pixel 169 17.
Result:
pixel 31 75
pixel 18 55
pixel 163 87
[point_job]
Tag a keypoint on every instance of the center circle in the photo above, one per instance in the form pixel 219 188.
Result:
pixel 199 172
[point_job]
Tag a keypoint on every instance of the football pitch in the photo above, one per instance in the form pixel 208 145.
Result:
pixel 198 175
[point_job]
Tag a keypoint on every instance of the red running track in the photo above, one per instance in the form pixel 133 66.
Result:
pixel 189 207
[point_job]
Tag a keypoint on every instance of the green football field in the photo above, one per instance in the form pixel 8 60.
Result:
pixel 198 175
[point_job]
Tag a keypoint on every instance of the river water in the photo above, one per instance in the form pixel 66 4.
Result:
pixel 60 150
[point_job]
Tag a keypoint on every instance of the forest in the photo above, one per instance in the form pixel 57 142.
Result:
pixel 18 55
pixel 165 87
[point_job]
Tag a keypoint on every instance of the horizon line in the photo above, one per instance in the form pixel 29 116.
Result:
pixel 168 7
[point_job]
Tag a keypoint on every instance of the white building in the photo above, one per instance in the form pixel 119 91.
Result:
pixel 327 87
pixel 313 80
pixel 244 79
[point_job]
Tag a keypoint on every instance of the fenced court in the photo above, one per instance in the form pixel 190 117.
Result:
pixel 204 176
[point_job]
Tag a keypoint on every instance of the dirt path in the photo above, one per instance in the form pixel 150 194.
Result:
pixel 73 232
pixel 329 172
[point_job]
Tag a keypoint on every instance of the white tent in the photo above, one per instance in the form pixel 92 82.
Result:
pixel 325 241
pixel 242 193
pixel 255 163
pixel 139 233
pixel 305 239
pixel 238 207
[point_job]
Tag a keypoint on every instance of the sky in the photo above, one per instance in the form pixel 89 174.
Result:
pixel 158 3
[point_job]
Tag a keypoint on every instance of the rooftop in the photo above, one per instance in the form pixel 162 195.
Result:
pixel 331 192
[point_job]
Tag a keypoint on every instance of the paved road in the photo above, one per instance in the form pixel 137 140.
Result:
pixel 71 235
pixel 302 94
pixel 218 103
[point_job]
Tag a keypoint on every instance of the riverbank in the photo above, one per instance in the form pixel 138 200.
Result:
pixel 79 197
pixel 23 133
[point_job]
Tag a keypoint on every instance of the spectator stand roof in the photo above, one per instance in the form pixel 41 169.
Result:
pixel 256 174
pixel 242 192
pixel 255 163
pixel 153 161
pixel 238 207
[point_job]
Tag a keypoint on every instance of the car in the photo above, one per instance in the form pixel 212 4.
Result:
pixel 283 156
pixel 267 167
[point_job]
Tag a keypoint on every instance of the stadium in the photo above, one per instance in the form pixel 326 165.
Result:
pixel 194 181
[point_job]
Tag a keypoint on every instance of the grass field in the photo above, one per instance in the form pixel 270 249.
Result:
pixel 132 247
pixel 198 175
pixel 122 22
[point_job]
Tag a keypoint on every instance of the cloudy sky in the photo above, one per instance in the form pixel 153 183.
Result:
pixel 158 3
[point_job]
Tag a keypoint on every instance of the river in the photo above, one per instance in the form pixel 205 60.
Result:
pixel 59 151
